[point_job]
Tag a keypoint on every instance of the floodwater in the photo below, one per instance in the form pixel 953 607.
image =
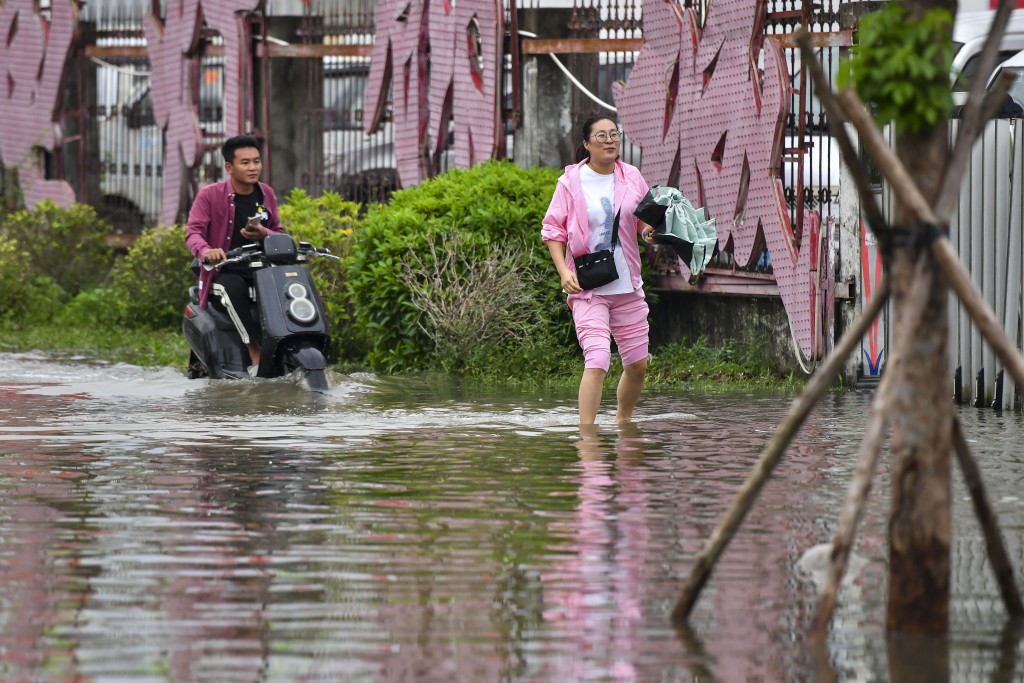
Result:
pixel 158 529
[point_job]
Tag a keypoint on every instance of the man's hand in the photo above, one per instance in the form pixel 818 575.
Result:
pixel 214 256
pixel 254 232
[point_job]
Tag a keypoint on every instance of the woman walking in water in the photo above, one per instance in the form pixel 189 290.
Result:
pixel 592 211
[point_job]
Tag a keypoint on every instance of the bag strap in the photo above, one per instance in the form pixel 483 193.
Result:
pixel 615 229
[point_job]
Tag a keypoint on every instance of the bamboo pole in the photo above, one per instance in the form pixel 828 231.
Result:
pixel 945 257
pixel 1001 565
pixel 853 506
pixel 867 460
pixel 772 453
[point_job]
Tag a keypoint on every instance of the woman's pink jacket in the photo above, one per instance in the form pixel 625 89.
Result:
pixel 566 219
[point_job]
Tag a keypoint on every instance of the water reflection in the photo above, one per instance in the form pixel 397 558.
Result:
pixel 156 529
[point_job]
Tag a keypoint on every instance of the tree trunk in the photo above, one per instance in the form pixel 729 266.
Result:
pixel 921 414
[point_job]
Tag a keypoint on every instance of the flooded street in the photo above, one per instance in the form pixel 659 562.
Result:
pixel 154 528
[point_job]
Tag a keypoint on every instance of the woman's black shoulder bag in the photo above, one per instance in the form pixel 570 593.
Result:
pixel 598 268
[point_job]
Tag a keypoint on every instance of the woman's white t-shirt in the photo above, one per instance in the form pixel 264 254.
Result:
pixel 599 192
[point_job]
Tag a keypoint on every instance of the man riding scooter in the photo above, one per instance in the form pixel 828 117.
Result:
pixel 237 211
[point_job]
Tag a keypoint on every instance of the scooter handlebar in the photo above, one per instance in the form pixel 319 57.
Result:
pixel 239 255
pixel 307 249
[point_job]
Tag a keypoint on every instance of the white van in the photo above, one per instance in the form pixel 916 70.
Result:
pixel 970 29
pixel 1014 65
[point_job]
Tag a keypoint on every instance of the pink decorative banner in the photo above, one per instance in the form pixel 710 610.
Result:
pixel 168 41
pixel 464 40
pixel 465 72
pixel 711 121
pixel 32 58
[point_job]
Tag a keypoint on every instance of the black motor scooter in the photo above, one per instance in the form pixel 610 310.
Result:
pixel 294 332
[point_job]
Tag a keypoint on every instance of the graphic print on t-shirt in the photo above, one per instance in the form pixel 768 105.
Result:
pixel 605 242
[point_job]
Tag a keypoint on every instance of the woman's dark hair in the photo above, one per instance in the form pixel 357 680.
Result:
pixel 588 125
pixel 238 142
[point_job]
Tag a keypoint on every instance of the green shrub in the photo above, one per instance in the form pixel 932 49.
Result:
pixel 150 283
pixel 327 221
pixel 99 307
pixel 14 273
pixel 68 245
pixel 494 208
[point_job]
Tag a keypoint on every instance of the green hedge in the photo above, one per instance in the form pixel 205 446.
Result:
pixel 491 214
pixel 67 245
pixel 329 221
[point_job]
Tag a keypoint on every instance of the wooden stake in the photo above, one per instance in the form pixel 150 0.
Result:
pixel 867 460
pixel 1001 565
pixel 770 456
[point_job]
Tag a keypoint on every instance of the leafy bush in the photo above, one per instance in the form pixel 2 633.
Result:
pixel 468 304
pixel 94 308
pixel 150 283
pixel 14 272
pixel 494 207
pixel 327 221
pixel 68 245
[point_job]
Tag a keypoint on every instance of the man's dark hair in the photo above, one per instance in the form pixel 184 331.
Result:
pixel 237 142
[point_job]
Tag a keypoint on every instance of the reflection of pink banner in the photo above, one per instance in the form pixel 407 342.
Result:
pixel 710 120
pixel 32 61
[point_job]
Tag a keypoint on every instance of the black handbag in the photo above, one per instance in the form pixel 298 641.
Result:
pixel 598 268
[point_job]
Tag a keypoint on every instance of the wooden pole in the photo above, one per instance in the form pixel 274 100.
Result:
pixel 867 459
pixel 1001 565
pixel 770 456
pixel 920 518
pixel 849 516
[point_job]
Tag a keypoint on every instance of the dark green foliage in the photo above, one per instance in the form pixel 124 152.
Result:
pixel 14 272
pixel 328 221
pixel 902 68
pixel 25 296
pixel 150 283
pixel 68 245
pixel 492 207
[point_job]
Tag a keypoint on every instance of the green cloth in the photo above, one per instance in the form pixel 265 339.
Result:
pixel 686 224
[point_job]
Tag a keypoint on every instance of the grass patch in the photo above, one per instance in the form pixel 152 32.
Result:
pixel 147 348
pixel 680 366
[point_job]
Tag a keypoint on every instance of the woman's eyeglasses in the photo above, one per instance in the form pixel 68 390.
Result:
pixel 603 137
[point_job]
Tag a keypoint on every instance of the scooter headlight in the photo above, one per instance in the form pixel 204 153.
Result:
pixel 302 310
pixel 297 290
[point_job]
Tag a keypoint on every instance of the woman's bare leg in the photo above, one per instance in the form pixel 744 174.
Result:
pixel 630 385
pixel 590 394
